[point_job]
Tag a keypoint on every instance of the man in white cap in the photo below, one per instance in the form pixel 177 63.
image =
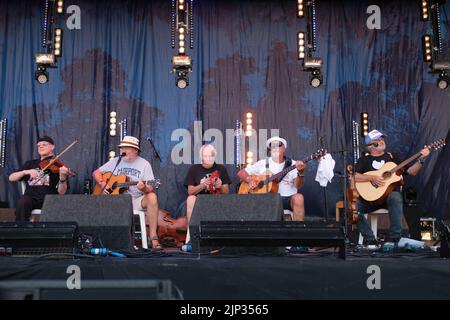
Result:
pixel 137 169
pixel 374 160
pixel 291 182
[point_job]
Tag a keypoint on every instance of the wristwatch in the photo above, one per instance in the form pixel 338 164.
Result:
pixel 421 160
pixel 62 181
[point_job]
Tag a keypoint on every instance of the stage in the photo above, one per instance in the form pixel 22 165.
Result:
pixel 316 275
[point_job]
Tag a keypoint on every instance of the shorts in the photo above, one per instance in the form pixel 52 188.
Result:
pixel 137 203
pixel 287 203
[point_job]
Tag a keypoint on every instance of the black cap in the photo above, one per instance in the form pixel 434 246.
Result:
pixel 46 139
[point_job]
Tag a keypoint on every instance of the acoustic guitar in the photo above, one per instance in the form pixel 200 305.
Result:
pixel 392 175
pixel 268 182
pixel 119 183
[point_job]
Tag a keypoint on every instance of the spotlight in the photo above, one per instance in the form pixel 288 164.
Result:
pixel 249 124
pixel 60 7
pixel 45 58
pixel 443 80
pixel 112 123
pixel 41 74
pixel 364 124
pixel 300 9
pixel 301 48
pixel 316 78
pixel 424 11
pixel 181 67
pixel 427 48
pixel 181 78
pixel 312 63
pixel 58 42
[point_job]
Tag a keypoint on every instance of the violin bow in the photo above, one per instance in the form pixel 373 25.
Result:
pixel 59 155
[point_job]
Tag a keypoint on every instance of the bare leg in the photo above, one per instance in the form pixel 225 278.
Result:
pixel 150 204
pixel 298 206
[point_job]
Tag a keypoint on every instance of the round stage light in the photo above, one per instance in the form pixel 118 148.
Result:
pixel 182 83
pixel 442 84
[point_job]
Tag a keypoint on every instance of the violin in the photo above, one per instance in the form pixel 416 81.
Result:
pixel 53 165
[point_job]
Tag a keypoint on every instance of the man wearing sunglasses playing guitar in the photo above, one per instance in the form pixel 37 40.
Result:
pixel 375 160
pixel 289 184
pixel 136 169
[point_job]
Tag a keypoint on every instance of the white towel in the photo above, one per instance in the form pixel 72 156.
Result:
pixel 325 170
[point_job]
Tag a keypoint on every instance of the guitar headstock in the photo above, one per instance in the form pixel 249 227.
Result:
pixel 154 183
pixel 437 144
pixel 318 154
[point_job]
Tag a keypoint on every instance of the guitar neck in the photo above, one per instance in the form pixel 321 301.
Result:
pixel 286 170
pixel 406 162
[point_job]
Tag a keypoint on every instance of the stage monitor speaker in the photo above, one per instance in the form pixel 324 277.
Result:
pixel 444 230
pixel 233 207
pixel 90 290
pixel 28 238
pixel 109 218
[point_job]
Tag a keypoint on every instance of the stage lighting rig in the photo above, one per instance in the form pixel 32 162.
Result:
pixel 441 68
pixel 314 65
pixel 307 42
pixel 364 124
pixel 182 29
pixel 51 40
pixel 181 66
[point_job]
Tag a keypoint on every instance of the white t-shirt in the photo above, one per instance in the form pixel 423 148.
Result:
pixel 139 169
pixel 286 187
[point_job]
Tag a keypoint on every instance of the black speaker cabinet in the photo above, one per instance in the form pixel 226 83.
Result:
pixel 233 207
pixel 110 218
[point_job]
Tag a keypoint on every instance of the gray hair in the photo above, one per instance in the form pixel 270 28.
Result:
pixel 206 147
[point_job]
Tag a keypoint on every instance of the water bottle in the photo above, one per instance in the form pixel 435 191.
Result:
pixel 388 247
pixel 187 247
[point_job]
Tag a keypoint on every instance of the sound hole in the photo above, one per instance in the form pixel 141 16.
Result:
pixel 260 185
pixel 386 175
pixel 114 185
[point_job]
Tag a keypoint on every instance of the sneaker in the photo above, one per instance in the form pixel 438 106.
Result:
pixel 297 249
pixel 371 244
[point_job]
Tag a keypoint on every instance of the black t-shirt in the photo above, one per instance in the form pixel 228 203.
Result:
pixel 39 188
pixel 371 163
pixel 197 172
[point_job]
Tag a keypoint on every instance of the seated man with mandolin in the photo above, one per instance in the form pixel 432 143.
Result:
pixel 137 170
pixel 41 179
pixel 378 187
pixel 290 181
pixel 205 178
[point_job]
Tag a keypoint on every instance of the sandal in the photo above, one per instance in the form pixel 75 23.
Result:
pixel 158 245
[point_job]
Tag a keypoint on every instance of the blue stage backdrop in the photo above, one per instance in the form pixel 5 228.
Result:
pixel 244 59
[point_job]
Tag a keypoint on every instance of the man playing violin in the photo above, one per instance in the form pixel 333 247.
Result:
pixel 39 182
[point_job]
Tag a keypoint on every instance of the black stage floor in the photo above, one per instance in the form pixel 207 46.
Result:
pixel 318 275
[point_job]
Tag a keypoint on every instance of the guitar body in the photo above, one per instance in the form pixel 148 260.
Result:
pixel 261 185
pixel 121 178
pixel 171 231
pixel 377 195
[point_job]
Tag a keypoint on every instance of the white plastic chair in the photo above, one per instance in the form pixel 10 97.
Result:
pixel 141 215
pixel 23 186
pixel 373 222
pixel 288 215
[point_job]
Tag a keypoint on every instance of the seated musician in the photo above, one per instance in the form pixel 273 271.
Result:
pixel 135 168
pixel 39 183
pixel 374 160
pixel 291 182
pixel 199 178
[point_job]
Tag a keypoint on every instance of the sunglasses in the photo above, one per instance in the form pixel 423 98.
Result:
pixel 375 144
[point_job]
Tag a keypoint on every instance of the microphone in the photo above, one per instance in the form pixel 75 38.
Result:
pixel 104 252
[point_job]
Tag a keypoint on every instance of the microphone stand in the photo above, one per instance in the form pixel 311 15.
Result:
pixel 154 148
pixel 345 176
pixel 112 172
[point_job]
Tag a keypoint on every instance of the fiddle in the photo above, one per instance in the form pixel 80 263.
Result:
pixel 53 165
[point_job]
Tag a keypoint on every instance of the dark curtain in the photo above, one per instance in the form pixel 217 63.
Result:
pixel 244 59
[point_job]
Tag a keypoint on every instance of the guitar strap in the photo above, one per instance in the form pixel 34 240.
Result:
pixel 287 163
